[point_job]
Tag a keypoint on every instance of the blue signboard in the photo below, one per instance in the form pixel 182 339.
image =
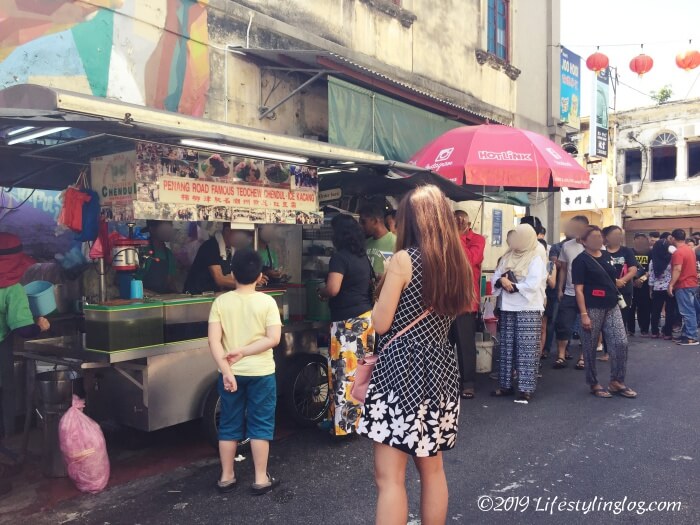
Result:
pixel 570 91
pixel 497 228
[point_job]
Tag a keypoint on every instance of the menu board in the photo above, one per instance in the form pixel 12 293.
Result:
pixel 165 182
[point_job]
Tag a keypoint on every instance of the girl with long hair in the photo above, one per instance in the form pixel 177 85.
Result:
pixel 412 403
pixel 659 279
pixel 352 335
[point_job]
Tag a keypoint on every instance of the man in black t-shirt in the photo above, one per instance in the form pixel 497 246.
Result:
pixel 641 298
pixel 211 269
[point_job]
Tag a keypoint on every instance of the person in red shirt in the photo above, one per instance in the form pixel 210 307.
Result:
pixel 464 327
pixel 684 285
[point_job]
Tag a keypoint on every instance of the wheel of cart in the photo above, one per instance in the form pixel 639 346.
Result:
pixel 210 418
pixel 304 388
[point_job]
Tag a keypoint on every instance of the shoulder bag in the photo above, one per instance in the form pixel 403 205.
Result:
pixel 366 365
pixel 620 299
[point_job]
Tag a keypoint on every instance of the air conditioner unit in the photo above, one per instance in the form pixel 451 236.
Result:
pixel 691 131
pixel 631 188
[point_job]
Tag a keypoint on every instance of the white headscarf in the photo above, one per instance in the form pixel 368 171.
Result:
pixel 524 248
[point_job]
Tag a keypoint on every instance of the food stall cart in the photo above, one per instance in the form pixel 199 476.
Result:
pixel 149 164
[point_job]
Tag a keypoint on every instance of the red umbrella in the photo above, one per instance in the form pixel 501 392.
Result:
pixel 501 156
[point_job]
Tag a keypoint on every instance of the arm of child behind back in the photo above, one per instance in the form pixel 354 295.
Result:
pixel 216 348
pixel 273 334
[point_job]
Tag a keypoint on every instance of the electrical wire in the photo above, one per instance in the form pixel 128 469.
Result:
pixel 13 208
pixel 693 84
pixel 635 44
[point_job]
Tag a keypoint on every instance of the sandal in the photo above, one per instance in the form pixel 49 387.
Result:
pixel 523 398
pixel 600 392
pixel 580 365
pixel 604 358
pixel 624 392
pixel 502 392
pixel 568 356
pixel 265 488
pixel 559 363
pixel 226 486
pixel 467 393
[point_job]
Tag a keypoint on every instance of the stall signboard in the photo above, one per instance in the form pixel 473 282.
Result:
pixel 570 88
pixel 175 183
pixel 598 141
pixel 331 195
pixel 113 177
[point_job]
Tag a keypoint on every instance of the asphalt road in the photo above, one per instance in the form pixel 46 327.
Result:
pixel 566 445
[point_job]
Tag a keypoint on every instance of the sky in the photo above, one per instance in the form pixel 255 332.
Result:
pixel 619 27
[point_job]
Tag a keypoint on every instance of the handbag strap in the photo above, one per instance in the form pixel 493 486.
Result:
pixel 604 271
pixel 407 328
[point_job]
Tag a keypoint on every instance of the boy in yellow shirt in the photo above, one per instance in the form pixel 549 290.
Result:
pixel 244 327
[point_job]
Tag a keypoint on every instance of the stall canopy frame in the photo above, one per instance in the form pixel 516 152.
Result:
pixel 100 126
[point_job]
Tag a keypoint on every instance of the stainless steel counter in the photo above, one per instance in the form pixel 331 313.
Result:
pixel 155 387
pixel 70 350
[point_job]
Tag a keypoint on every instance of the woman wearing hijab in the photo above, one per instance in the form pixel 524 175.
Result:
pixel 519 280
pixel 15 319
pixel 659 279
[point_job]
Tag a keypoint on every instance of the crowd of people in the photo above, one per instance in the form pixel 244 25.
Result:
pixel 405 287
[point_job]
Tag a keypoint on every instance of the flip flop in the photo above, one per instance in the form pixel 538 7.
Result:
pixel 467 394
pixel 580 365
pixel 502 393
pixel 624 392
pixel 226 486
pixel 260 490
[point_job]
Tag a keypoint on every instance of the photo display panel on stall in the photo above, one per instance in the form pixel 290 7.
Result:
pixel 162 182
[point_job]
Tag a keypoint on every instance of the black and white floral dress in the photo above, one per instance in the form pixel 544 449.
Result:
pixel 412 403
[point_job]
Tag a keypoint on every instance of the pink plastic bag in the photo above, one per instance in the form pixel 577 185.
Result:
pixel 84 449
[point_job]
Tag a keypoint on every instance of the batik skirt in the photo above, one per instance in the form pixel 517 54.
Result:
pixel 351 340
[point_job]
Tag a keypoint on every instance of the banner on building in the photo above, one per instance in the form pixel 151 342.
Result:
pixel 570 89
pixel 598 135
pixel 594 198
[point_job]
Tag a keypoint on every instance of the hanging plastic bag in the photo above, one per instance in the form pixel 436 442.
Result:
pixel 489 311
pixel 90 217
pixel 84 449
pixel 71 214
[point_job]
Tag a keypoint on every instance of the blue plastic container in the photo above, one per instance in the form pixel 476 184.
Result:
pixel 42 300
pixel 136 289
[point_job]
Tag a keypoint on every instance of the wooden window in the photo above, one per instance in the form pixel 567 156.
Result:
pixel 663 157
pixel 498 28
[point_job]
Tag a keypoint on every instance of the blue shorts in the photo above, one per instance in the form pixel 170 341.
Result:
pixel 250 410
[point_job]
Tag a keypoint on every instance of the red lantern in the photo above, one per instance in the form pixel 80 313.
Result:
pixel 641 64
pixel 688 59
pixel 597 62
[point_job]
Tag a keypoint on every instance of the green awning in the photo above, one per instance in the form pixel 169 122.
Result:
pixel 366 120
pixel 363 119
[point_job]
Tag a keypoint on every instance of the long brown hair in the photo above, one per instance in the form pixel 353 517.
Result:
pixel 425 221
